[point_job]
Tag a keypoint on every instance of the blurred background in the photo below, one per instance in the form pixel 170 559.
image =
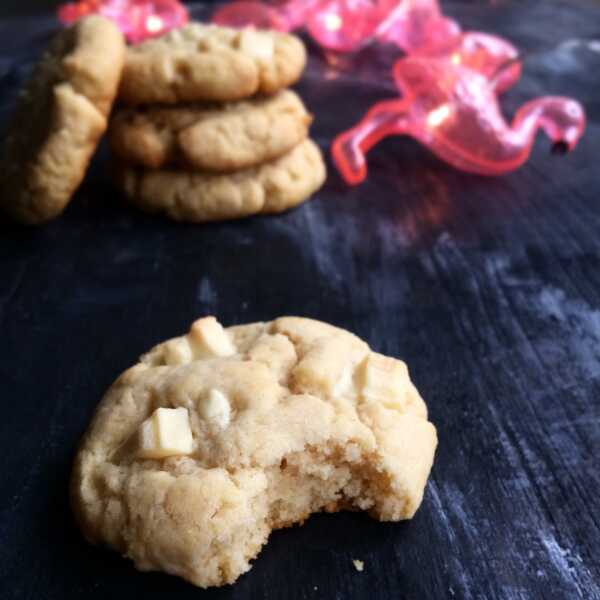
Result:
pixel 10 8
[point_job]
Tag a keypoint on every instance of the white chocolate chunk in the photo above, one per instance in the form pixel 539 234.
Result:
pixel 326 367
pixel 257 45
pixel 344 384
pixel 385 380
pixel 166 433
pixel 216 409
pixel 208 339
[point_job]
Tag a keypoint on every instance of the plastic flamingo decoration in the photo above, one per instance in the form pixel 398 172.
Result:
pixel 342 26
pixel 137 19
pixel 454 111
pixel 449 82
pixel 346 25
pixel 416 26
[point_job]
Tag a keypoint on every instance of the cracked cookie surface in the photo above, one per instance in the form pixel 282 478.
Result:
pixel 60 117
pixel 218 437
pixel 205 62
pixel 221 138
pixel 272 187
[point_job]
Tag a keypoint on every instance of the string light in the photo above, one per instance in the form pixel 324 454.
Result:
pixel 137 19
pixel 154 24
pixel 333 22
pixel 437 116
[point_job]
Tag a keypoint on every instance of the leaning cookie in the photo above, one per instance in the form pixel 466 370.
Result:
pixel 61 114
pixel 199 197
pixel 210 138
pixel 206 62
pixel 218 437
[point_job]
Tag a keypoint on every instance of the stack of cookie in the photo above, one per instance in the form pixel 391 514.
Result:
pixel 207 130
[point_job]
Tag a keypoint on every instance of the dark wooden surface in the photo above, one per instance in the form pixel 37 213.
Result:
pixel 488 288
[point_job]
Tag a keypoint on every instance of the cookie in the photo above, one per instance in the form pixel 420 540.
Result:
pixel 60 116
pixel 222 138
pixel 218 437
pixel 272 187
pixel 205 62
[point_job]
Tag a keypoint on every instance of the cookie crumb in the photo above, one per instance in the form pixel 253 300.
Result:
pixel 359 565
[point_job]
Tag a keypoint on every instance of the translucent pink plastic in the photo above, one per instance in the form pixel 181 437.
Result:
pixel 137 19
pixel 449 82
pixel 453 110
pixel 346 25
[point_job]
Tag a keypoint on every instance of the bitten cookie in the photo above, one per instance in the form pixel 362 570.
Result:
pixel 206 62
pixel 272 187
pixel 214 138
pixel 218 437
pixel 60 117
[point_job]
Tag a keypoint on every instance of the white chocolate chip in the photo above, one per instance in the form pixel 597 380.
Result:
pixel 385 380
pixel 344 383
pixel 166 433
pixel 322 369
pixel 216 409
pixel 208 339
pixel 257 44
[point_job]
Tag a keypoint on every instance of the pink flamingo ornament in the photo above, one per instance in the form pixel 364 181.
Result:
pixel 489 55
pixel 449 82
pixel 416 26
pixel 453 110
pixel 137 19
pixel 346 25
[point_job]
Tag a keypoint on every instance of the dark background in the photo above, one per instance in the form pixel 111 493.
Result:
pixel 489 288
pixel 9 8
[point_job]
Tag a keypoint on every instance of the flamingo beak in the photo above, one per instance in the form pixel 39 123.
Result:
pixel 568 140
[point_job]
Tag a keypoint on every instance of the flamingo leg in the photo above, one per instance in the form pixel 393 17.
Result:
pixel 349 149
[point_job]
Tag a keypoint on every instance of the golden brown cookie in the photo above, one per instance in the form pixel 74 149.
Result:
pixel 205 62
pixel 61 114
pixel 221 138
pixel 220 436
pixel 194 197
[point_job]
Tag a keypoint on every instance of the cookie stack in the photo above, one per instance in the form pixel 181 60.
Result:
pixel 206 129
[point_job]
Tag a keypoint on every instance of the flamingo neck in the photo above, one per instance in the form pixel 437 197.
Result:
pixel 386 118
pixel 551 114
